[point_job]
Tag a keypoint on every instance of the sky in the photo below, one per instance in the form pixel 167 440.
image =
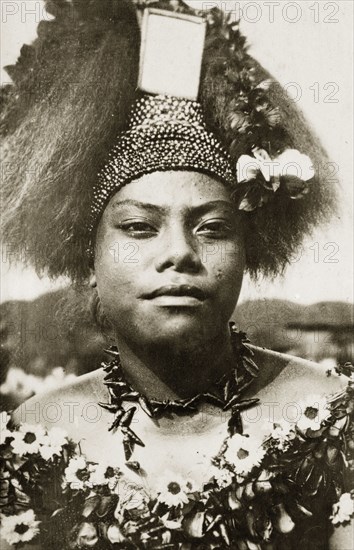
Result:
pixel 308 47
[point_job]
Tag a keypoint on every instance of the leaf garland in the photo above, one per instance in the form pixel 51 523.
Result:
pixel 226 395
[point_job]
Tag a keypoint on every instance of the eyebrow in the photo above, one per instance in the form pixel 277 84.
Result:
pixel 200 209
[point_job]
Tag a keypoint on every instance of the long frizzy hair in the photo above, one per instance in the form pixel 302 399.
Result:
pixel 71 95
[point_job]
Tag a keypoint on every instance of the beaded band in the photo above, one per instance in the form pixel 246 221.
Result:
pixel 164 133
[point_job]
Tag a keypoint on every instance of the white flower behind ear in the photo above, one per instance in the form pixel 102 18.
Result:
pixel 294 163
pixel 261 176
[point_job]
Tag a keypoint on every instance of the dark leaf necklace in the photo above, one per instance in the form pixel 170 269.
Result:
pixel 226 395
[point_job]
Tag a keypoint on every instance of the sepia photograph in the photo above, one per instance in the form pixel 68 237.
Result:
pixel 176 275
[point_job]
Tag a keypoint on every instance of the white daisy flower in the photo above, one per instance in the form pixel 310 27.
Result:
pixel 244 453
pixel 52 443
pixel 77 473
pixel 173 490
pixel 314 410
pixel 222 476
pixel 4 431
pixel 342 510
pixel 20 528
pixel 27 439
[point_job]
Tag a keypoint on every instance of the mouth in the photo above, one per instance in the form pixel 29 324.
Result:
pixel 177 295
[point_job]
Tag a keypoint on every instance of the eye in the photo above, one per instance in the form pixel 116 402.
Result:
pixel 138 228
pixel 215 228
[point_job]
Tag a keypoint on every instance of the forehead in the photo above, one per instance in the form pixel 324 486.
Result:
pixel 174 189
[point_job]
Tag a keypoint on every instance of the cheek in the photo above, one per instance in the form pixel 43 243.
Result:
pixel 228 263
pixel 116 261
pixel 115 281
pixel 228 274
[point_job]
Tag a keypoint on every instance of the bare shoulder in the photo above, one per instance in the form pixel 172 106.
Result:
pixel 295 377
pixel 59 407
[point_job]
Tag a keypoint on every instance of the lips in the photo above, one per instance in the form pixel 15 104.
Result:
pixel 177 290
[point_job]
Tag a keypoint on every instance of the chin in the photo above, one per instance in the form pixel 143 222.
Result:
pixel 180 328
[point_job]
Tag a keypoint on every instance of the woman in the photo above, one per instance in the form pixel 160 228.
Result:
pixel 186 407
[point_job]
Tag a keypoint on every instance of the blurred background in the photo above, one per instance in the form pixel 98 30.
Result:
pixel 308 47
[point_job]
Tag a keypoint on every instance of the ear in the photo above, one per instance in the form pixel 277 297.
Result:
pixel 92 280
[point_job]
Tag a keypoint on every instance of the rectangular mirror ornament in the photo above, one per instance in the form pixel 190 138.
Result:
pixel 171 53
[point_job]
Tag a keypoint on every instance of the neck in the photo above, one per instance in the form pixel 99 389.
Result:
pixel 163 372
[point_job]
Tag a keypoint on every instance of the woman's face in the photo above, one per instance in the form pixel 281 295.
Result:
pixel 169 258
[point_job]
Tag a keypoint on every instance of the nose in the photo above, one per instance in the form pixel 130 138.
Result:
pixel 178 251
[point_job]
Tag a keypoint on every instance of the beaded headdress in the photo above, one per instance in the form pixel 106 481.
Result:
pixel 165 132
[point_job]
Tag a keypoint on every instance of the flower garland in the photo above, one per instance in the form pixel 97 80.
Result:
pixel 294 485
